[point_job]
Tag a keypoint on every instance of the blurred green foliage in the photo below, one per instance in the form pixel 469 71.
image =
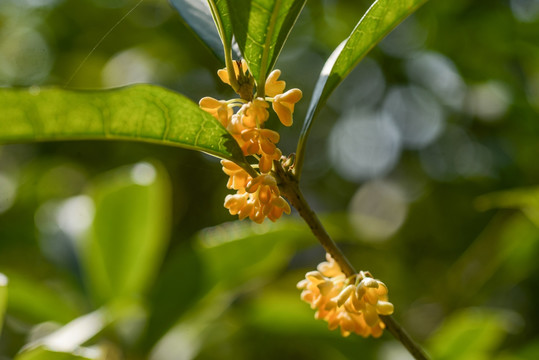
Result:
pixel 122 239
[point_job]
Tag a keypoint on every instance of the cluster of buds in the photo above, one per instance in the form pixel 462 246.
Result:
pixel 244 118
pixel 353 303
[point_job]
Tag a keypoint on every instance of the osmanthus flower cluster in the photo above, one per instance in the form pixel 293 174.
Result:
pixel 353 303
pixel 244 118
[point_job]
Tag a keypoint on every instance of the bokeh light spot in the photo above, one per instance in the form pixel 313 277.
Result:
pixel 364 146
pixel 8 192
pixel 143 173
pixel 378 209
pixel 488 101
pixel 438 74
pixel 417 115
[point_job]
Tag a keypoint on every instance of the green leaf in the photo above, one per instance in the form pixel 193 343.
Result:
pixel 261 28
pixel 131 228
pixel 42 353
pixel 198 16
pixel 141 113
pixel 471 334
pixel 283 312
pixel 378 21
pixel 33 301
pixel 221 16
pixel 65 343
pixel 503 254
pixel 235 253
pixel 167 303
pixel 526 199
pixel 3 299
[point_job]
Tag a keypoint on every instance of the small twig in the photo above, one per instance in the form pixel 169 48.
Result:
pixel 290 189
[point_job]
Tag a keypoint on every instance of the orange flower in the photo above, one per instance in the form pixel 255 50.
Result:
pixel 238 177
pixel 276 208
pixel 261 199
pixel 265 186
pixel 283 105
pixel 273 86
pixel 218 108
pixel 266 160
pixel 255 113
pixel 237 204
pixel 223 73
pixel 259 141
pixel 354 304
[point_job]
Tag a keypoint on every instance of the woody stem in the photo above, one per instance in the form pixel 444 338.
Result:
pixel 289 188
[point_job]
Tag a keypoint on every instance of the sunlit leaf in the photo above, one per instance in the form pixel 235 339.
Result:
pixel 198 15
pixel 130 231
pixel 65 343
pixel 235 253
pixel 141 113
pixel 504 253
pixel 42 353
pixel 377 22
pixel 70 336
pixel 52 305
pixel 261 28
pixel 471 334
pixel 526 200
pixel 284 312
pixel 3 298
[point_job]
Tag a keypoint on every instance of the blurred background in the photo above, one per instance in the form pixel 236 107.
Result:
pixel 423 165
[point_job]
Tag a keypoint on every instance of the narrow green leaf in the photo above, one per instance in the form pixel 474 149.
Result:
pixel 197 14
pixel 378 21
pixel 471 334
pixel 235 253
pixel 65 343
pixel 52 305
pixel 131 228
pixel 140 113
pixel 3 299
pixel 42 353
pixel 68 339
pixel 525 199
pixel 221 16
pixel 261 28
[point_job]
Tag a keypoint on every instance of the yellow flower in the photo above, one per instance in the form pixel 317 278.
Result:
pixel 265 186
pixel 235 125
pixel 283 105
pixel 273 86
pixel 261 199
pixel 218 108
pixel 259 141
pixel 255 113
pixel 256 198
pixel 238 177
pixel 353 304
pixel 266 160
pixel 223 73
pixel 237 204
pixel 276 208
